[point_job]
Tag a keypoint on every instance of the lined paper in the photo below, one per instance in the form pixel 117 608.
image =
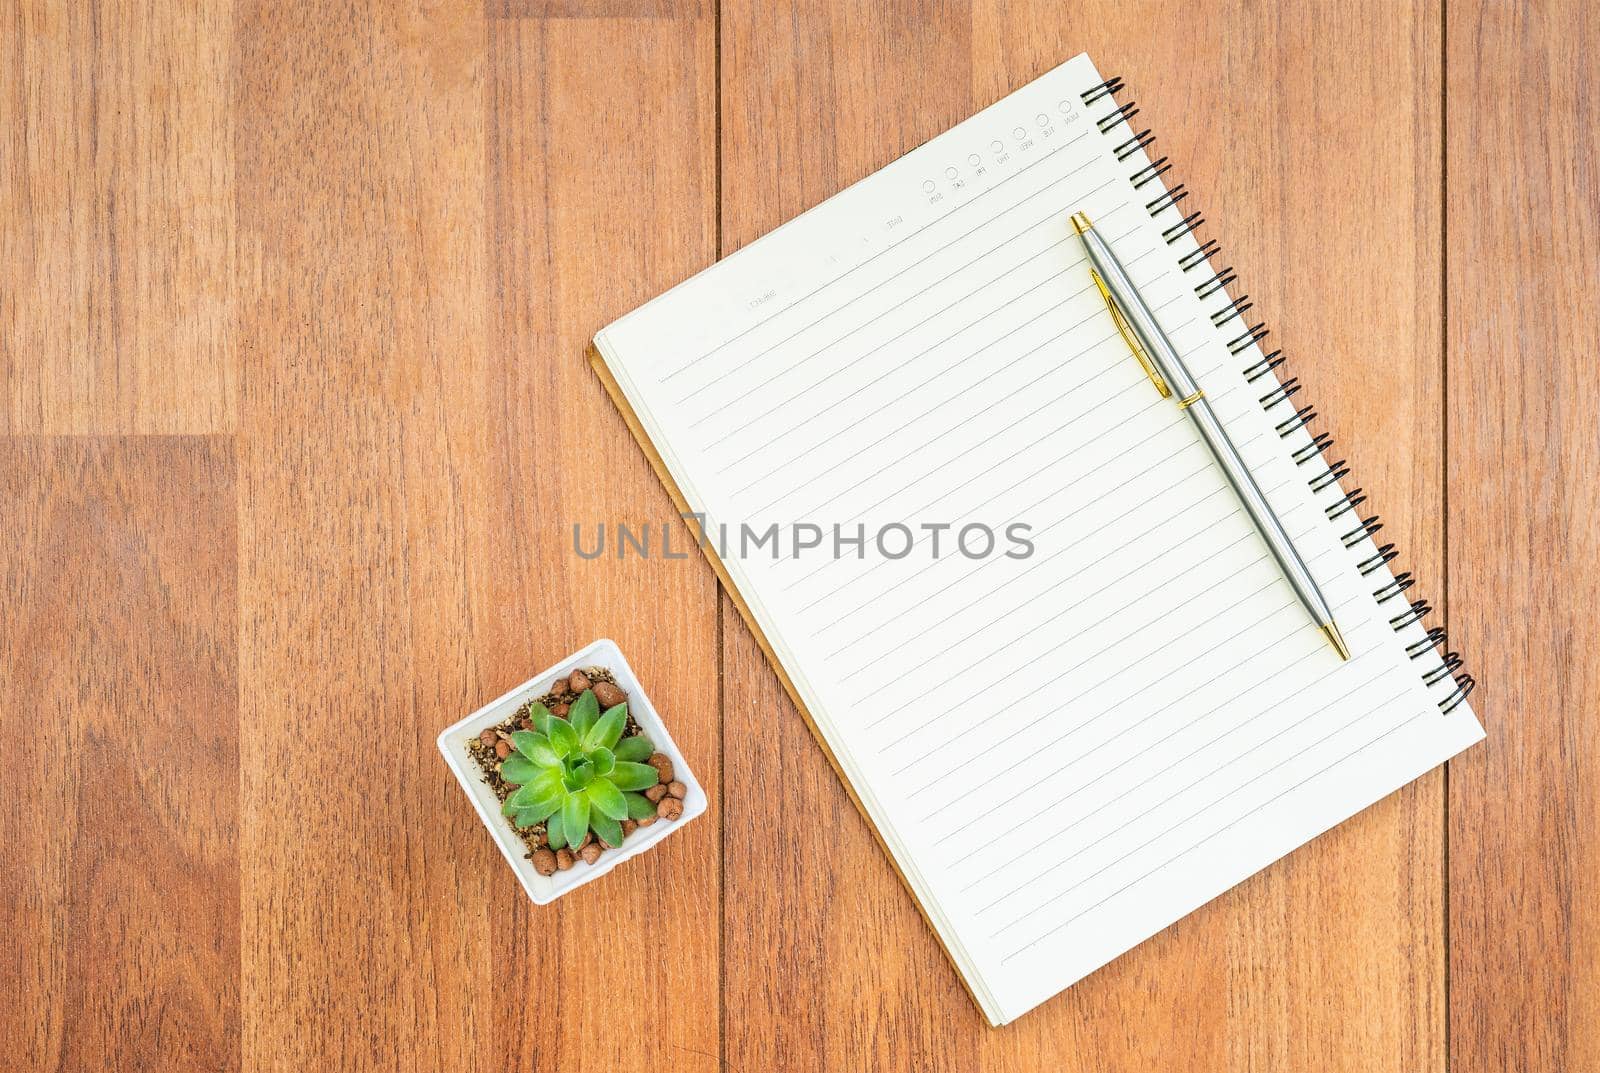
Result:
pixel 1067 751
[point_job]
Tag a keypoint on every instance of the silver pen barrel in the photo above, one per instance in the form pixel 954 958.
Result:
pixel 1135 314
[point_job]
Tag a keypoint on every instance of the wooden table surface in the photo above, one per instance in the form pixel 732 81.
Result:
pixel 294 423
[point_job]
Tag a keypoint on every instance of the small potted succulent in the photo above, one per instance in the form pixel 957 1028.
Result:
pixel 573 772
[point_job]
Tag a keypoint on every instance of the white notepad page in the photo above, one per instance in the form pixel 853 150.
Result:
pixel 1069 751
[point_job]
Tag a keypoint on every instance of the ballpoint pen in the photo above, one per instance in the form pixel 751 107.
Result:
pixel 1166 370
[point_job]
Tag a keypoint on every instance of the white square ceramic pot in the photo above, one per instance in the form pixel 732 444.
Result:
pixel 454 741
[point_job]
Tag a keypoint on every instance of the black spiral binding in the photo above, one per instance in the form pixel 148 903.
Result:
pixel 1276 392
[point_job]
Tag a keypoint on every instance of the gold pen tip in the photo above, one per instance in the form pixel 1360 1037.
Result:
pixel 1080 222
pixel 1335 638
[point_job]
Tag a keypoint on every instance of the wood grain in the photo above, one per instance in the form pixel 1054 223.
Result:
pixel 119 897
pixel 1362 908
pixel 587 225
pixel 597 9
pixel 1354 918
pixel 117 191
pixel 1523 203
pixel 365 345
pixel 823 890
pixel 416 452
pixel 295 424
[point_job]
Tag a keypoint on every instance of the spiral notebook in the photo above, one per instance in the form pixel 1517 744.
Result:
pixel 1071 732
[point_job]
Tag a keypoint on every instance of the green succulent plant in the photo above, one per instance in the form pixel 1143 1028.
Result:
pixel 578 774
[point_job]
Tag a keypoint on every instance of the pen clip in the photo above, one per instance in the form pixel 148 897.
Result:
pixel 1133 342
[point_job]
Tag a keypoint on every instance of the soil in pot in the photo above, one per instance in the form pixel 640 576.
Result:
pixel 493 746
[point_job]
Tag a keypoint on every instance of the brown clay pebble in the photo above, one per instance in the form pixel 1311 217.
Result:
pixel 561 710
pixel 488 737
pixel 502 749
pixel 647 821
pixel 559 687
pixel 628 827
pixel 588 837
pixel 608 695
pixel 670 808
pixel 578 681
pixel 663 765
pixel 525 723
pixel 656 792
pixel 677 789
pixel 590 853
pixel 544 862
pixel 564 858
